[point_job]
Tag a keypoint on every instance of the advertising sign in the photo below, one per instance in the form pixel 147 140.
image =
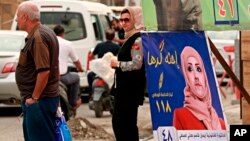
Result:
pixel 184 100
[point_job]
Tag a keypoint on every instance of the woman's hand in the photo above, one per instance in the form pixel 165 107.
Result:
pixel 114 63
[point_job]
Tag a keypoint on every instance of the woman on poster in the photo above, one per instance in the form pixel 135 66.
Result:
pixel 198 112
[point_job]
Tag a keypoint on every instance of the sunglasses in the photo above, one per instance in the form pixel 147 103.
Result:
pixel 124 20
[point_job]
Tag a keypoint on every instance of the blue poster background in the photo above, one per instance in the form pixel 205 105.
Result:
pixel 165 81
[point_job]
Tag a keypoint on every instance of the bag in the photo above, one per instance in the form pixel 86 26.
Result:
pixel 61 128
pixel 102 68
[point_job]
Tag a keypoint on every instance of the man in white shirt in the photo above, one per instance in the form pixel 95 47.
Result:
pixel 70 79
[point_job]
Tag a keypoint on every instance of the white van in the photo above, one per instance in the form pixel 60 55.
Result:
pixel 84 23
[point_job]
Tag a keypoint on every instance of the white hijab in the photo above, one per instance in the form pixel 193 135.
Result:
pixel 136 18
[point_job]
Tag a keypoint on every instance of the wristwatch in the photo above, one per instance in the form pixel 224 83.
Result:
pixel 34 98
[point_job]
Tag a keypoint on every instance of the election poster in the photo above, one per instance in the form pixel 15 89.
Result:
pixel 184 101
pixel 176 15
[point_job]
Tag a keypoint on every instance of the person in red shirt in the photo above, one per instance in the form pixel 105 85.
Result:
pixel 198 112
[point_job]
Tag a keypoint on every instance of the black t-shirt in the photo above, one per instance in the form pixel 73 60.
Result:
pixel 121 33
pixel 105 47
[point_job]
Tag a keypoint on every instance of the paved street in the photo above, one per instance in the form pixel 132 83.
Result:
pixel 10 125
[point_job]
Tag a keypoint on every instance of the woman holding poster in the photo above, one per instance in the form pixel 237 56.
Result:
pixel 198 112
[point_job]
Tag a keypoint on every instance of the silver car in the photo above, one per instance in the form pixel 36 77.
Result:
pixel 11 42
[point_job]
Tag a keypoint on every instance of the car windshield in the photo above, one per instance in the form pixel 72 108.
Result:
pixel 71 22
pixel 223 35
pixel 11 43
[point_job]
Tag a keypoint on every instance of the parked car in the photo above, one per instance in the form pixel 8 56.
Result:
pixel 225 42
pixel 11 42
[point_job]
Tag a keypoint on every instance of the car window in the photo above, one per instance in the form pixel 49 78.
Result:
pixel 105 22
pixel 100 24
pixel 97 27
pixel 73 23
pixel 223 35
pixel 11 43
